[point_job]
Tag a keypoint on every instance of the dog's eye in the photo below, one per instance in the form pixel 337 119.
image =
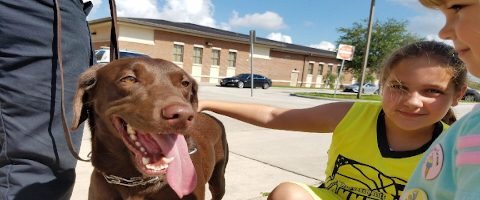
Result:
pixel 129 79
pixel 185 83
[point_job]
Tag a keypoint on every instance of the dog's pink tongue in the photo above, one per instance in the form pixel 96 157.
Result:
pixel 181 174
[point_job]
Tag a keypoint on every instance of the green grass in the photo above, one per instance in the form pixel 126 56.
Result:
pixel 265 194
pixel 342 96
pixel 285 86
pixel 473 85
pixel 352 96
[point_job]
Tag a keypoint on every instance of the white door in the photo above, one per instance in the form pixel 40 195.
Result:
pixel 294 78
pixel 214 73
pixel 309 80
pixel 230 71
pixel 197 72
pixel 319 81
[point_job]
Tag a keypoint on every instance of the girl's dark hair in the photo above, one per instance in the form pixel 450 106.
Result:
pixel 437 52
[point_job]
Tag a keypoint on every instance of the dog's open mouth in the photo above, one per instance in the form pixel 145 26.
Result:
pixel 159 153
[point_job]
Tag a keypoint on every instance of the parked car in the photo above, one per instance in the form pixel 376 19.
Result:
pixel 103 55
pixel 243 80
pixel 367 88
pixel 471 95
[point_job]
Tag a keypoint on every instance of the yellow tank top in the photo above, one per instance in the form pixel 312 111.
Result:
pixel 361 165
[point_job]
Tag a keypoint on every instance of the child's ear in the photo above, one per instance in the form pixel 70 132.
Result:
pixel 459 96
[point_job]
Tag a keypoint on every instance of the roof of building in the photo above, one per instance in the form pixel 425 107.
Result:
pixel 209 32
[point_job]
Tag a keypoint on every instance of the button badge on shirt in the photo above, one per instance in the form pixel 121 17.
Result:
pixel 414 194
pixel 433 163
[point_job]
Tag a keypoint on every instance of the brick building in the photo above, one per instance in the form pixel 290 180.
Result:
pixel 209 54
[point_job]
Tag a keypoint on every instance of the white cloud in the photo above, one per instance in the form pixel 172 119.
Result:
pixel 268 20
pixel 280 37
pixel 436 38
pixel 324 45
pixel 138 8
pixel 409 3
pixel 96 5
pixel 308 23
pixel 193 11
pixel 427 24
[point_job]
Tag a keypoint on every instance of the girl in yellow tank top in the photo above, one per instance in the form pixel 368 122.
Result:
pixel 375 145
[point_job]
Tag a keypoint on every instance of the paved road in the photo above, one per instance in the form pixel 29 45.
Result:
pixel 260 158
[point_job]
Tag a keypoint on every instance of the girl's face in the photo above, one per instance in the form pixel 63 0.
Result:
pixel 418 93
pixel 463 28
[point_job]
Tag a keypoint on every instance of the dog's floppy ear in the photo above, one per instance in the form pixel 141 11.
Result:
pixel 193 96
pixel 80 102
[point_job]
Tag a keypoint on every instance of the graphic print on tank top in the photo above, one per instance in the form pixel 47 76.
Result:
pixel 370 183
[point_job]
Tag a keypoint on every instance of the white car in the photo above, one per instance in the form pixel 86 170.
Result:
pixel 103 55
pixel 367 88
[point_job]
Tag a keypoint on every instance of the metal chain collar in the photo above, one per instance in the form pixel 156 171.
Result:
pixel 135 181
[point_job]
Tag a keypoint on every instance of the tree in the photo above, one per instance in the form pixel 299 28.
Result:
pixel 386 36
pixel 329 79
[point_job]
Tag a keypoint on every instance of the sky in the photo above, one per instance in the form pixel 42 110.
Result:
pixel 311 23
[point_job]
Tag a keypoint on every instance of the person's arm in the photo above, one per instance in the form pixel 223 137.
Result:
pixel 321 119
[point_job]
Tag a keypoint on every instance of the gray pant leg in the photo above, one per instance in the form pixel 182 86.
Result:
pixel 35 162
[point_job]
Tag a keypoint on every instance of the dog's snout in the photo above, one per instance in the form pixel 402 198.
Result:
pixel 177 115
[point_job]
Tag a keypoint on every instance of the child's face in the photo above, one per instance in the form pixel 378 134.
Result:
pixel 463 28
pixel 418 93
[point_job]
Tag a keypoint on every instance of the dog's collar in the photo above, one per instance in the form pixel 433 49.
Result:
pixel 135 181
pixel 132 182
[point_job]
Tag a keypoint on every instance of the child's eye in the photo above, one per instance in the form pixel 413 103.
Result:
pixel 400 87
pixel 434 91
pixel 457 7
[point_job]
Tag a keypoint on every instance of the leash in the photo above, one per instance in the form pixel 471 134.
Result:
pixel 114 55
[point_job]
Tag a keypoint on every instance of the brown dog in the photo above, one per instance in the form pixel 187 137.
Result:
pixel 144 125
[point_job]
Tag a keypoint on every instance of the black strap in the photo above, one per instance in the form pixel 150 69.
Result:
pixel 114 51
pixel 62 101
pixel 114 55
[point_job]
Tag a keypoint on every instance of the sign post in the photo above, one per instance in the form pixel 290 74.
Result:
pixel 345 52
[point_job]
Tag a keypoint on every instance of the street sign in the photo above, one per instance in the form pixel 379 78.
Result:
pixel 345 52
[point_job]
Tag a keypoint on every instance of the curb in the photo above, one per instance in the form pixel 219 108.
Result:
pixel 326 98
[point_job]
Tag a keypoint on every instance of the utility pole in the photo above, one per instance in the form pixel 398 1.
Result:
pixel 252 41
pixel 367 48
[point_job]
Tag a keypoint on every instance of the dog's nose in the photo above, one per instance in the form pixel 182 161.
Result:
pixel 178 115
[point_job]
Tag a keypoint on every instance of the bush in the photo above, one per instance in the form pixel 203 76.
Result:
pixel 329 79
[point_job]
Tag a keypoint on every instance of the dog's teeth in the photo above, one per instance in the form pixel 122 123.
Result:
pixel 167 160
pixel 142 149
pixel 133 137
pixel 138 144
pixel 164 166
pixel 145 160
pixel 130 130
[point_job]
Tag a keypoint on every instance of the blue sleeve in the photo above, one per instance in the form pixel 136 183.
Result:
pixel 457 172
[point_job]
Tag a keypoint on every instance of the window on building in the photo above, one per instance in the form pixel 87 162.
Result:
pixel 310 68
pixel 338 69
pixel 178 53
pixel 215 57
pixel 232 57
pixel 320 69
pixel 197 55
pixel 330 68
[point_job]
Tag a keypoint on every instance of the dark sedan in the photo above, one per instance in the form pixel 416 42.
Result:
pixel 471 95
pixel 243 80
